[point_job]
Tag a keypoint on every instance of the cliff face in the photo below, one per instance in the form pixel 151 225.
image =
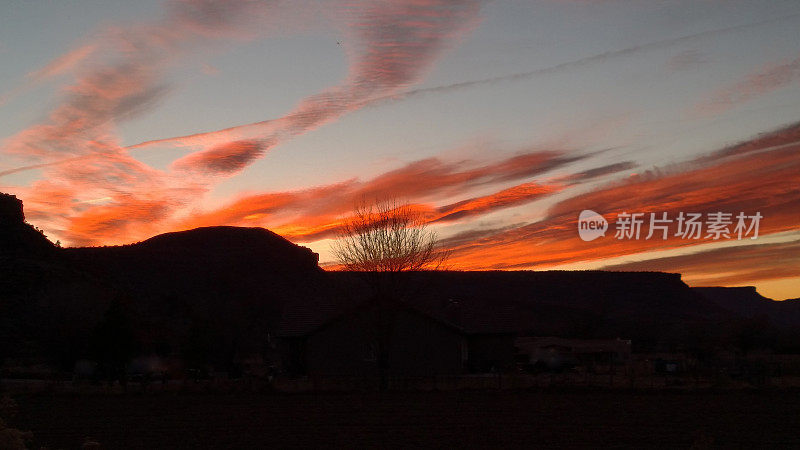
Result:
pixel 10 210
pixel 17 238
pixel 45 302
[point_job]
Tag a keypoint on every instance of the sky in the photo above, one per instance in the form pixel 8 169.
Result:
pixel 498 121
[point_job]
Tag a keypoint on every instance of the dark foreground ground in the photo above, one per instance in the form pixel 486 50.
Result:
pixel 467 419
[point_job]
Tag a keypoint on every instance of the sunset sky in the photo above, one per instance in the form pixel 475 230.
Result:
pixel 500 121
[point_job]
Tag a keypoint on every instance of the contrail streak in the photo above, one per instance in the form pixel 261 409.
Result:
pixel 575 63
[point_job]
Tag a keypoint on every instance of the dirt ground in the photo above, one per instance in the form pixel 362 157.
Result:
pixel 467 419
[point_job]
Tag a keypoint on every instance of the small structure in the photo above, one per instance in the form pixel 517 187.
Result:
pixel 554 353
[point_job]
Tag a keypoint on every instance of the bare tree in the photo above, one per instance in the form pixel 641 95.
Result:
pixel 380 241
pixel 388 237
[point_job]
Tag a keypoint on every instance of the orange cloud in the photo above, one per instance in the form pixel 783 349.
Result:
pixel 309 227
pixel 122 74
pixel 728 265
pixel 119 218
pixel 733 180
pixel 392 44
pixel 512 196
pixel 316 213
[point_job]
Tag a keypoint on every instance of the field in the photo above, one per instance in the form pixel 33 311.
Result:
pixel 519 419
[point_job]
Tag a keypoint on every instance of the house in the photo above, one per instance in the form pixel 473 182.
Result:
pixel 347 345
pixel 333 339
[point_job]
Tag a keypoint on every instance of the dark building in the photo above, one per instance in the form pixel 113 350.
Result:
pixel 318 340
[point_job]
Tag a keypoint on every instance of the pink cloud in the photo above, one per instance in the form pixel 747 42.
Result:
pixel 63 63
pixel 758 83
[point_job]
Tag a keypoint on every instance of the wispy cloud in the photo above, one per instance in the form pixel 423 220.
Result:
pixel 225 159
pixel 333 103
pixel 95 192
pixel 581 62
pixel 63 63
pixel 513 196
pixel 391 45
pixel 58 66
pixel 337 102
pixel 756 84
pixel 122 74
pixel 687 59
pixel 601 171
pixel 762 181
pixel 312 214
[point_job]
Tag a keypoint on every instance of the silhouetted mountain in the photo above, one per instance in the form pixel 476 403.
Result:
pixel 229 284
pixel 215 295
pixel 746 302
pixel 227 260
